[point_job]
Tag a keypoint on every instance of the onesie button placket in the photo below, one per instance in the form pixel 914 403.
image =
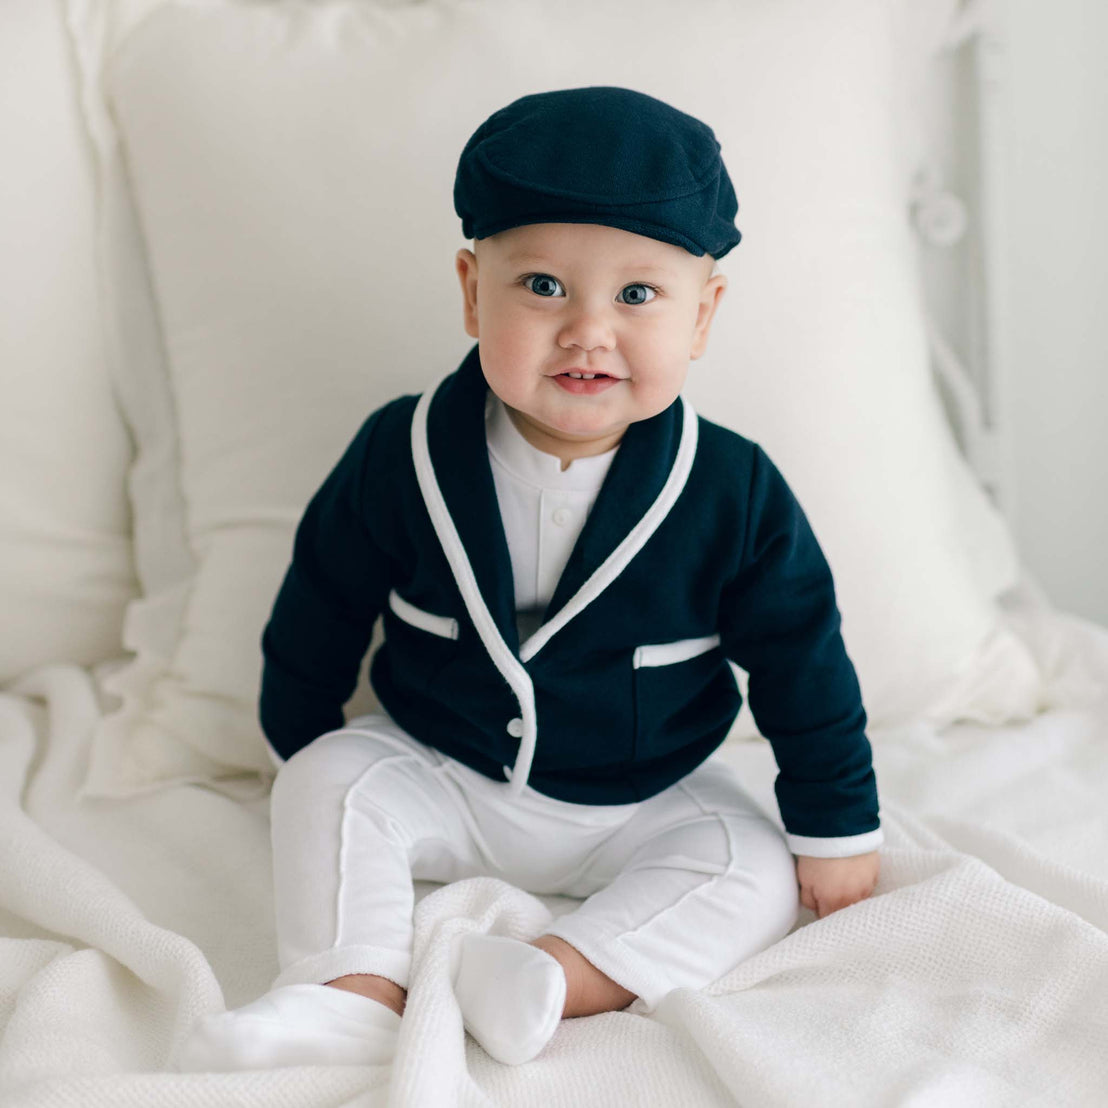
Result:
pixel 515 727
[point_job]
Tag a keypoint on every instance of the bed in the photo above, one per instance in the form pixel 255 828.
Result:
pixel 232 235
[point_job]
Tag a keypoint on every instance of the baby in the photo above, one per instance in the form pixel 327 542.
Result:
pixel 566 558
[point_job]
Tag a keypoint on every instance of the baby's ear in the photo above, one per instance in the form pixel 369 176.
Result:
pixel 465 265
pixel 714 288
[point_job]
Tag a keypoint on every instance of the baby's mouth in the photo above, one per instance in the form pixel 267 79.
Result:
pixel 578 383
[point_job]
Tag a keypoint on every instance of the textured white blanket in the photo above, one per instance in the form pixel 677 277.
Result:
pixel 976 975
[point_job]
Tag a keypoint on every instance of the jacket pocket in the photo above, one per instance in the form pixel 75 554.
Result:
pixel 418 644
pixel 669 653
pixel 443 626
pixel 685 692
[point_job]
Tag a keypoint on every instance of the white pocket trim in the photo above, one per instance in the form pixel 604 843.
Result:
pixel 666 653
pixel 443 626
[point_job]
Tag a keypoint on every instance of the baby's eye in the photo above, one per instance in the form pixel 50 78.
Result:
pixel 639 293
pixel 544 283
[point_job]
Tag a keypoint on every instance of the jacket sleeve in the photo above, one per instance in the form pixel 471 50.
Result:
pixel 779 621
pixel 322 619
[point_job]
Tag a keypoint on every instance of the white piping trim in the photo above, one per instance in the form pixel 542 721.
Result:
pixel 633 542
pixel 667 653
pixel 504 660
pixel 510 667
pixel 443 626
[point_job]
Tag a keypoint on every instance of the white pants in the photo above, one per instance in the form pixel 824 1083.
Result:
pixel 677 889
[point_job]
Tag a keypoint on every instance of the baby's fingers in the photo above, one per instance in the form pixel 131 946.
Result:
pixel 828 904
pixel 808 898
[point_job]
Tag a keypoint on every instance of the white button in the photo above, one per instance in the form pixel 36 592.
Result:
pixel 515 727
pixel 562 516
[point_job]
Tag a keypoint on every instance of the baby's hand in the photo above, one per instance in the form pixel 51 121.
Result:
pixel 828 884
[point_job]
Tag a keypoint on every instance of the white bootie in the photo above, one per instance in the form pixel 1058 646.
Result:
pixel 294 1025
pixel 511 995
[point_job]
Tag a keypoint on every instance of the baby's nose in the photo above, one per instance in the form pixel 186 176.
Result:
pixel 588 328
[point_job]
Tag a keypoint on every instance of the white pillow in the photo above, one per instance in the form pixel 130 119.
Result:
pixel 66 573
pixel 292 170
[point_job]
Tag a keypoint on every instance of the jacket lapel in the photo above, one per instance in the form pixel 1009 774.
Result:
pixel 636 476
pixel 459 454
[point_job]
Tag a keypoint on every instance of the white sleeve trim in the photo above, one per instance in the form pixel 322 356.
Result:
pixel 843 846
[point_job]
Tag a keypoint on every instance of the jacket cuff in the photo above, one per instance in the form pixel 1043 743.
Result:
pixel 840 846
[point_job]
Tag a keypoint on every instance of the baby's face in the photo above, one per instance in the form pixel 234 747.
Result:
pixel 546 299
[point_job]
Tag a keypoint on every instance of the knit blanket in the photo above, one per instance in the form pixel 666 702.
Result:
pixel 977 973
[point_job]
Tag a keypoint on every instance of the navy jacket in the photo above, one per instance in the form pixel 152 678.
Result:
pixel 695 553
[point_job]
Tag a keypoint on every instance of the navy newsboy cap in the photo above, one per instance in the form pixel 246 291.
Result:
pixel 600 154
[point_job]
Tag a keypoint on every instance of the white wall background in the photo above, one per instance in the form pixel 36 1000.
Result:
pixel 1054 340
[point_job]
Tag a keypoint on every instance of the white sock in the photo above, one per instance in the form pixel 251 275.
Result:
pixel 511 995
pixel 295 1025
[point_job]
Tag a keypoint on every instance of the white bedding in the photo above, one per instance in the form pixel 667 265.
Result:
pixel 977 974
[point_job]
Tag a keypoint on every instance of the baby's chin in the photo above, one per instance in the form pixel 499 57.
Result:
pixel 578 426
pixel 575 433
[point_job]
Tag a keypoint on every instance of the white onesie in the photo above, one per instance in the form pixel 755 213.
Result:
pixel 392 809
pixel 543 508
pixel 359 813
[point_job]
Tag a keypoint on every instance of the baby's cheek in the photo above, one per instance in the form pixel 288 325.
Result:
pixel 653 392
